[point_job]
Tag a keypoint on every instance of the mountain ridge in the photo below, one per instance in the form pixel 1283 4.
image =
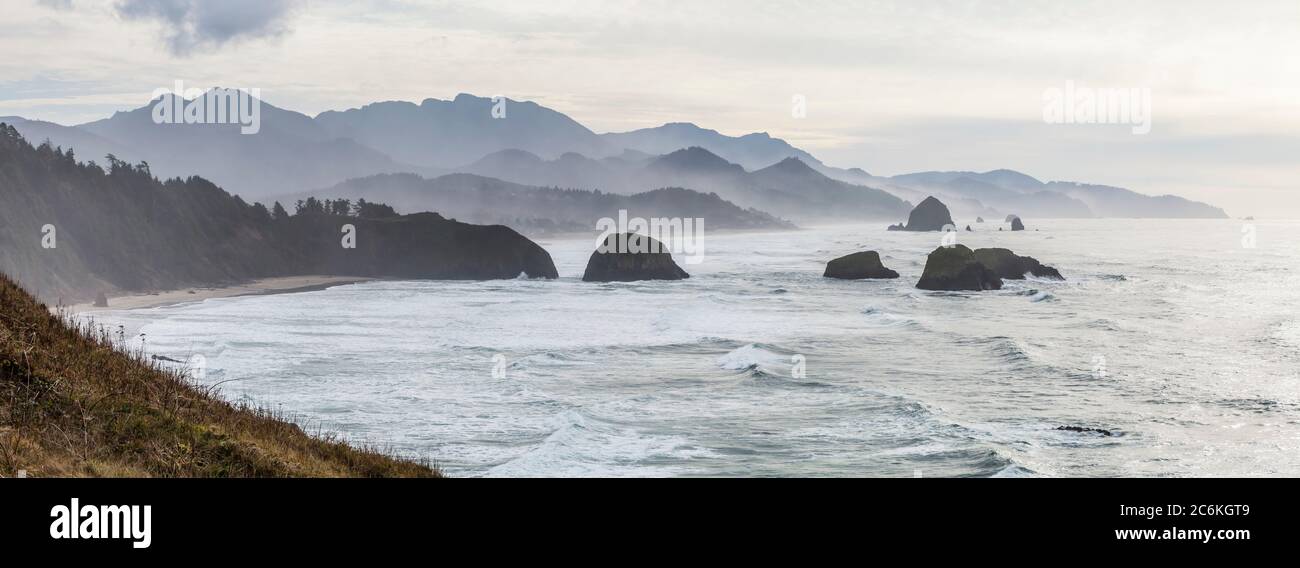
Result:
pixel 296 152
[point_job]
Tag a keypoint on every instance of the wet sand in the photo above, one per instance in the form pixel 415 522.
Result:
pixel 284 285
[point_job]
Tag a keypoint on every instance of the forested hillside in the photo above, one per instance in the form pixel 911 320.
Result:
pixel 70 230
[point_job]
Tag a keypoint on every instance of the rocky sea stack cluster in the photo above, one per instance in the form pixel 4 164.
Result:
pixel 1010 266
pixel 629 257
pixel 957 268
pixel 857 266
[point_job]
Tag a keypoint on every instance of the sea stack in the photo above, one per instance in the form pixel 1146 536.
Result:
pixel 419 246
pixel 1010 266
pixel 630 257
pixel 101 301
pixel 956 268
pixel 930 215
pixel 857 266
pixel 979 219
pixel 1016 225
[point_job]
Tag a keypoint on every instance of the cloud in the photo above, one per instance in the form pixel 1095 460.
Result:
pixel 56 4
pixel 194 24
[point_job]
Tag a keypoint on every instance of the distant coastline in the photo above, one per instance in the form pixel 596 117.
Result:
pixel 262 286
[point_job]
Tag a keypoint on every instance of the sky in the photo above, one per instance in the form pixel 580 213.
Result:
pixel 889 86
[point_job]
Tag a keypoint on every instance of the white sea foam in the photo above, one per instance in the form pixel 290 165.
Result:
pixel 749 357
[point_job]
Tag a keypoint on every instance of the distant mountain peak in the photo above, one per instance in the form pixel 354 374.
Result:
pixel 511 155
pixel 1010 178
pixel 687 126
pixel 695 158
pixel 792 165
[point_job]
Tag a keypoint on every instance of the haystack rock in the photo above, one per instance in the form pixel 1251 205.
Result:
pixel 930 215
pixel 1010 266
pixel 956 268
pixel 1016 225
pixel 630 257
pixel 857 266
pixel 979 219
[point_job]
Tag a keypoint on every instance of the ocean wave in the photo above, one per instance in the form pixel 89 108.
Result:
pixel 1256 405
pixel 750 358
pixel 1103 324
pixel 1034 294
pixel 887 319
pixel 579 445
pixel 1004 349
pixel 1008 351
pixel 548 359
pixel 1015 471
pixel 972 462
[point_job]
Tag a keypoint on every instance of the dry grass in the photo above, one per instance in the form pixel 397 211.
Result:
pixel 74 402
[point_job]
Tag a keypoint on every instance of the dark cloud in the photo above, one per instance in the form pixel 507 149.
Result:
pixel 195 24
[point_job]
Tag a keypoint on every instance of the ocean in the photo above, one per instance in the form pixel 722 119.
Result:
pixel 1174 335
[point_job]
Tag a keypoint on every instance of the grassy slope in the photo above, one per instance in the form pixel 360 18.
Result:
pixel 73 405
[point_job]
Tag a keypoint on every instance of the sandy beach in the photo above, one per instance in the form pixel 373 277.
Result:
pixel 284 285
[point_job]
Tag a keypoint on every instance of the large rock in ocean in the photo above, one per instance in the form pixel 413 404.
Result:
pixel 1016 225
pixel 857 266
pixel 1010 266
pixel 956 268
pixel 930 215
pixel 639 258
pixel 420 246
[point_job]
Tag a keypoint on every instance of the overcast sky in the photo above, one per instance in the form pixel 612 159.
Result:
pixel 891 87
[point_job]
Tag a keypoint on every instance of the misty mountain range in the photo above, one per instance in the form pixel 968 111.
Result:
pixel 539 147
pixel 540 211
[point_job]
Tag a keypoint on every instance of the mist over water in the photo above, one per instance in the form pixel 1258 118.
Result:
pixel 1199 338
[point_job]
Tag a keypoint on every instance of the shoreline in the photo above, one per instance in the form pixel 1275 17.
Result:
pixel 263 286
